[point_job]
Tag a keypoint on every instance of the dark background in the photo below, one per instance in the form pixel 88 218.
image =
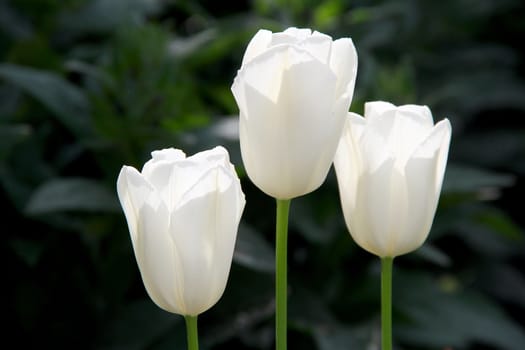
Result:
pixel 87 86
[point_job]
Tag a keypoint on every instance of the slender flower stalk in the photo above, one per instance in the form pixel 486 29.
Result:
pixel 191 332
pixel 281 292
pixel 386 303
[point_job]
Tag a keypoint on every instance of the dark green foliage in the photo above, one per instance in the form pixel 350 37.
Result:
pixel 88 86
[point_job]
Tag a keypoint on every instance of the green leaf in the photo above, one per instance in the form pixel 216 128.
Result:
pixel 506 282
pixel 314 218
pixel 318 320
pixel 67 102
pixel 252 251
pixel 501 223
pixel 486 241
pixel 487 230
pixel 13 24
pixel 72 194
pixel 10 135
pixel 434 255
pixel 479 148
pixel 327 13
pixel 440 320
pixel 463 179
pixel 104 15
pixel 189 45
pixel 29 251
pixel 138 327
pixel 339 338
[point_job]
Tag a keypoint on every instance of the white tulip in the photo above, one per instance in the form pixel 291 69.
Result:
pixel 183 215
pixel 293 90
pixel 390 167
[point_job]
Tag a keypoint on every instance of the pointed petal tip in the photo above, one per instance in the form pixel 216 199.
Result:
pixel 444 127
pixel 355 117
pixel 379 105
pixel 349 43
pixel 446 123
pixel 168 154
pixel 135 177
pixel 220 149
pixel 259 42
pixel 124 173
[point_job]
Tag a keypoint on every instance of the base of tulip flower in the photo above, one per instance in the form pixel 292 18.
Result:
pixel 191 332
pixel 386 303
pixel 281 266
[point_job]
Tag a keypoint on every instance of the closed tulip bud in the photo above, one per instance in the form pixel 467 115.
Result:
pixel 183 215
pixel 390 167
pixel 293 90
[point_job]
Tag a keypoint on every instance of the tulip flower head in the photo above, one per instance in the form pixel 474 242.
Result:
pixel 293 90
pixel 390 167
pixel 183 215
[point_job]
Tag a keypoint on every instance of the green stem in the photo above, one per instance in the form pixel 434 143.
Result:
pixel 386 303
pixel 191 332
pixel 281 232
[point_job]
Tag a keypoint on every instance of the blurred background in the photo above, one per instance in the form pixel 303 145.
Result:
pixel 89 85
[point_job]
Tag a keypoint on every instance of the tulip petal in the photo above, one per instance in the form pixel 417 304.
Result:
pixel 343 62
pixel 299 33
pixel 347 159
pixel 295 35
pixel 170 154
pixel 420 177
pixel 422 112
pixel 357 125
pixel 408 131
pixel 318 45
pixel 402 130
pixel 157 258
pixel 305 123
pixel 159 175
pixel 380 122
pixel 386 205
pixel 373 142
pixel 334 125
pixel 212 158
pixel 264 73
pixel 158 170
pixel 141 205
pixel 173 179
pixel 260 138
pixel 311 128
pixel 443 152
pixel 260 42
pixel 237 89
pixel 347 170
pixel 204 228
pixel 167 155
pixel 376 109
pixel 438 139
pixel 284 38
pixel 424 176
pixel 133 191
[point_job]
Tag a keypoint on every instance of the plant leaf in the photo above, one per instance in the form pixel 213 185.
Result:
pixel 72 194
